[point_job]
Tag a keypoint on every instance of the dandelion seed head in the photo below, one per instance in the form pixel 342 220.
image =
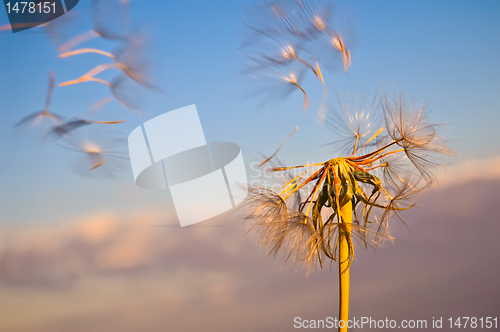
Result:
pixel 312 230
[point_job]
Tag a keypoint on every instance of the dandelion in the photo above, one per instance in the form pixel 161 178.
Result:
pixel 321 226
pixel 338 44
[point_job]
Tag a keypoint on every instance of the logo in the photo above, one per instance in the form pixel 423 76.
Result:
pixel 28 14
pixel 170 151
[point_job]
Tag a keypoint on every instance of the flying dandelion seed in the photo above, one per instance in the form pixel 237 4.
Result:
pixel 133 69
pixel 129 60
pixel 98 105
pixel 133 62
pixel 110 22
pixel 281 82
pixel 69 126
pixel 37 118
pixel 321 226
pixel 125 91
pixel 294 35
pixel 315 17
pixel 93 158
pixel 90 75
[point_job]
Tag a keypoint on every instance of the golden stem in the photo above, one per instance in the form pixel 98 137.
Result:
pixel 344 258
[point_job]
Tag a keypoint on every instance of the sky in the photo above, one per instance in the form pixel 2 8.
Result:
pixel 68 237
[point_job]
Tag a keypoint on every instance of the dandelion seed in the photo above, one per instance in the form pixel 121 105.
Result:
pixel 38 117
pixel 71 125
pixel 290 134
pixel 127 60
pixel 86 50
pixel 293 80
pixel 338 44
pixel 98 105
pixel 94 158
pixel 291 38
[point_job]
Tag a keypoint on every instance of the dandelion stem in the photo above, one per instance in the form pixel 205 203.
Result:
pixel 344 259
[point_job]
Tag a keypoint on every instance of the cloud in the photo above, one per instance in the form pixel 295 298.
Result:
pixel 470 170
pixel 105 243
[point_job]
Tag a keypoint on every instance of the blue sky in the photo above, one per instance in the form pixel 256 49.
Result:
pixel 445 53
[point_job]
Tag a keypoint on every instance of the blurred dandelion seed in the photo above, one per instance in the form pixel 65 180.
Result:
pixel 89 76
pixel 284 29
pixel 112 27
pixel 98 105
pixel 128 60
pixel 86 50
pixel 67 127
pixel 38 117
